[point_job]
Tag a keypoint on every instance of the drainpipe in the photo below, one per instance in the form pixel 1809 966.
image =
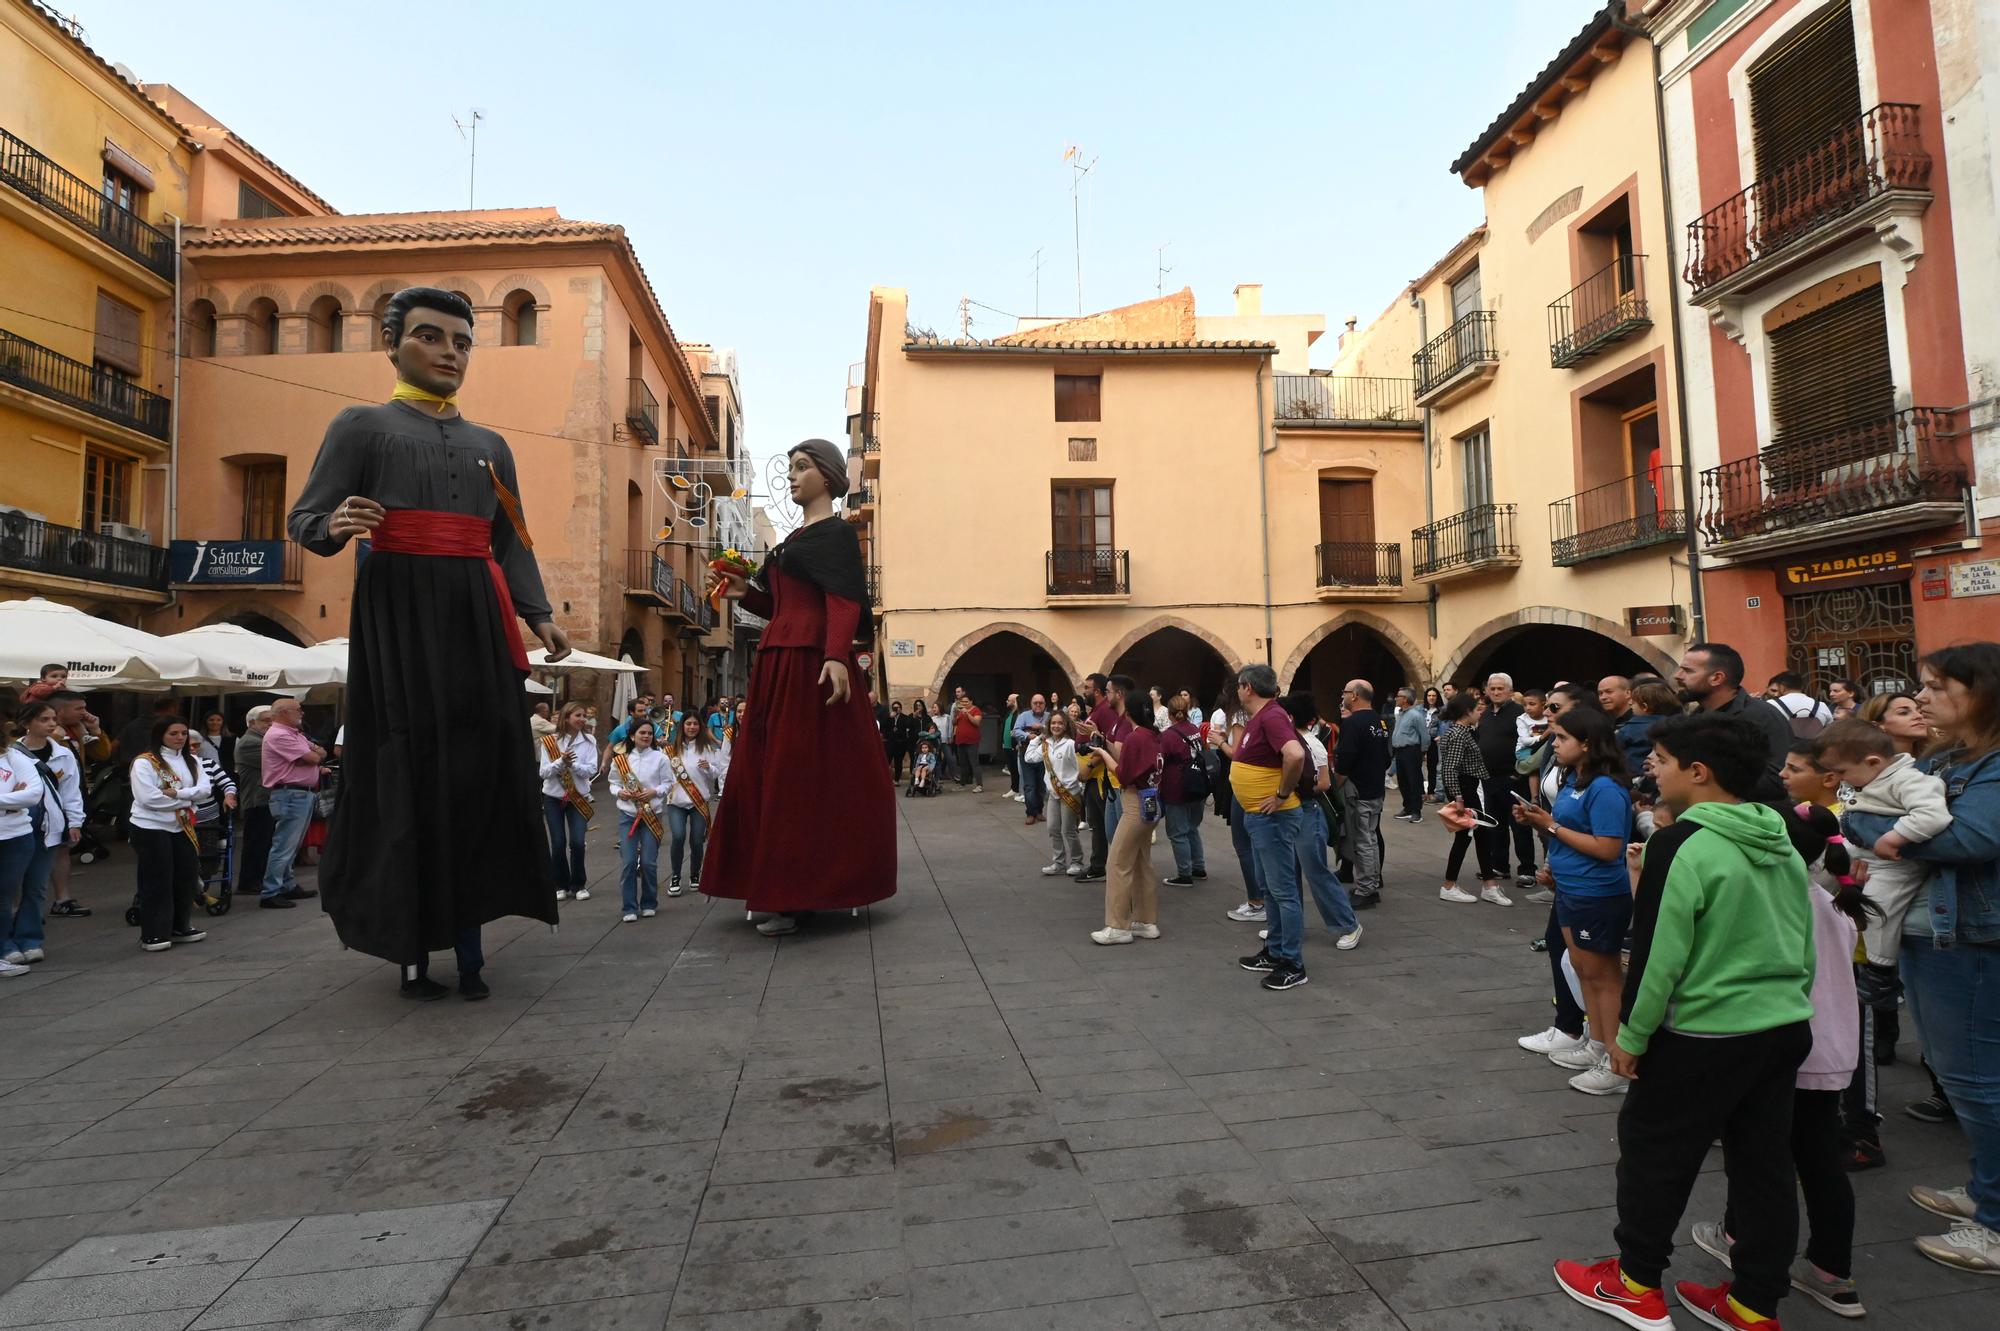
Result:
pixel 1264 503
pixel 174 423
pixel 1430 499
pixel 1697 607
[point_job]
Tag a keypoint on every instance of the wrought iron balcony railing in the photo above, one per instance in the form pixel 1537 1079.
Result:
pixel 1344 400
pixel 646 574
pixel 1863 468
pixel 1641 510
pixel 1359 564
pixel 874 582
pixel 1605 308
pixel 51 374
pixel 1468 343
pixel 77 201
pixel 1478 536
pixel 1877 152
pixel 870 444
pixel 642 411
pixel 43 547
pixel 1092 572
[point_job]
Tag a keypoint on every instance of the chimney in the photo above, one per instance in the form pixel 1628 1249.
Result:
pixel 1249 299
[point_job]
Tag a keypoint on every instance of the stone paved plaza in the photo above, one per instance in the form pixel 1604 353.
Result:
pixel 952 1112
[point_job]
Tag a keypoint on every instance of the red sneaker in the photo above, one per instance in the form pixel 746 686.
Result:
pixel 1603 1287
pixel 1712 1306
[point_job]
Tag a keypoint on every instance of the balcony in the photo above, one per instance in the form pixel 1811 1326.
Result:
pixel 642 412
pixel 1313 401
pixel 1089 576
pixel 1898 473
pixel 1602 310
pixel 1350 570
pixel 1478 539
pixel 1457 360
pixel 34 546
pixel 649 577
pixel 1869 173
pixel 874 574
pixel 870 445
pixel 860 496
pixel 1630 514
pixel 82 204
pixel 33 367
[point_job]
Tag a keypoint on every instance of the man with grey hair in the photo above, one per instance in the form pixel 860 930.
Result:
pixel 254 801
pixel 1498 737
pixel 1265 766
pixel 291 787
pixel 1409 739
pixel 1361 761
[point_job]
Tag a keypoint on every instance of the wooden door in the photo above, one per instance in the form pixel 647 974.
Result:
pixel 1346 530
pixel 1081 551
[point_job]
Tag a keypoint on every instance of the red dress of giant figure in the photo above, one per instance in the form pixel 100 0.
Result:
pixel 808 820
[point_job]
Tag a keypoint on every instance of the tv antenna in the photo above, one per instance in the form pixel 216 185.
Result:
pixel 965 317
pixel 468 129
pixel 1036 259
pixel 1073 154
pixel 1160 269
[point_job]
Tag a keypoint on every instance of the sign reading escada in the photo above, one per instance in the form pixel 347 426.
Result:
pixel 235 563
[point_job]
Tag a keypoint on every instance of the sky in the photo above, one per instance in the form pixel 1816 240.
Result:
pixel 773 161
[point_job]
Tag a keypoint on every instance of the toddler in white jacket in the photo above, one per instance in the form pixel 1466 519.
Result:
pixel 1882 781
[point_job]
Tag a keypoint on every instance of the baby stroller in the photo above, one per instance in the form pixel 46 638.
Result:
pixel 215 828
pixel 107 795
pixel 924 771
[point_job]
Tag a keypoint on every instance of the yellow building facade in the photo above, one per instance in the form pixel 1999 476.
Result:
pixel 93 177
pixel 1542 355
pixel 1137 492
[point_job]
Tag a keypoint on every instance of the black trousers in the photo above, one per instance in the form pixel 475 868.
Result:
pixel 169 875
pixel 1569 1017
pixel 1093 815
pixel 1689 1093
pixel 898 754
pixel 1431 767
pixel 1496 792
pixel 1479 838
pixel 1410 779
pixel 1818 1155
pixel 257 828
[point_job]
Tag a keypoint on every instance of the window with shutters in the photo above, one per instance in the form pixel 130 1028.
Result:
pixel 1805 91
pixel 1081 536
pixel 264 501
pixel 1079 397
pixel 1833 393
pixel 1475 468
pixel 117 338
pixel 1346 530
pixel 1465 295
pixel 107 487
pixel 249 203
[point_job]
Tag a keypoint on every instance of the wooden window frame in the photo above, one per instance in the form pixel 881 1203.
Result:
pixel 1069 408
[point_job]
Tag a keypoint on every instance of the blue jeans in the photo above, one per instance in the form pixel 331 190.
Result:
pixel 1328 894
pixel 566 830
pixel 291 815
pixel 1184 833
pixel 638 865
pixel 1246 858
pixel 1954 997
pixel 1034 787
pixel 1274 840
pixel 465 944
pixel 690 833
pixel 24 888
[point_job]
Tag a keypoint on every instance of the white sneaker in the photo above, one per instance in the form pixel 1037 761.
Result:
pixel 581 894
pixel 1552 1041
pixel 1599 1080
pixel 1969 1247
pixel 562 894
pixel 1074 871
pixel 778 925
pixel 979 790
pixel 648 913
pixel 1453 892
pixel 1264 934
pixel 1349 941
pixel 1051 870
pixel 1145 930
pixel 34 954
pixel 628 918
pixel 14 959
pixel 1579 1058
pixel 1107 937
pixel 1541 896
pixel 1248 914
pixel 1951 1203
pixel 1493 894
pixel 8 968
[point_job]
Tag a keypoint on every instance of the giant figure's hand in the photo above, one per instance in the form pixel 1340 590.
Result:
pixel 554 639
pixel 835 673
pixel 356 515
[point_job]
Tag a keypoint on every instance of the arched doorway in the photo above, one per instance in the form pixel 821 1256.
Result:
pixel 1352 651
pixel 264 626
pixel 1173 659
pixel 1002 663
pixel 1538 655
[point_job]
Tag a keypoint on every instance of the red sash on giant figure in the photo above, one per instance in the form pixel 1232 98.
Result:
pixel 421 531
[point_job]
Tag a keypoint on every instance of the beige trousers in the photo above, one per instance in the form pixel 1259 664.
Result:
pixel 1130 890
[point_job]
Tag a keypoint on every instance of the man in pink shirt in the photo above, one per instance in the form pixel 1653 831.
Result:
pixel 291 775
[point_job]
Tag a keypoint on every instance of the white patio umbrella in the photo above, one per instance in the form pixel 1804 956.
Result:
pixel 581 660
pixel 332 652
pixel 238 657
pixel 539 689
pixel 99 652
pixel 625 690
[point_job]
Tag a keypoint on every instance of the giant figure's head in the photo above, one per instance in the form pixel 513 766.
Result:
pixel 428 335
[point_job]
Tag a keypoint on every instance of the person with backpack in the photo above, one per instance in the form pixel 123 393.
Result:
pixel 1185 785
pixel 1806 714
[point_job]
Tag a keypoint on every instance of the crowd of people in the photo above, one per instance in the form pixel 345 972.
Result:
pixel 1745 891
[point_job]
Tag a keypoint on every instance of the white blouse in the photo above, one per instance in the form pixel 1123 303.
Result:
pixel 62 803
pixel 649 770
pixel 705 768
pixel 154 806
pixel 582 769
pixel 1061 762
pixel 20 791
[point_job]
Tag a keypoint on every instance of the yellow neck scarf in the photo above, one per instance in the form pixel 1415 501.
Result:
pixel 408 392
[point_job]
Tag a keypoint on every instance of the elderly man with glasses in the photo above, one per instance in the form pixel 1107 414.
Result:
pixel 1029 727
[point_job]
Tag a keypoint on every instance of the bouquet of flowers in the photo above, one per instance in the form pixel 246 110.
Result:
pixel 726 560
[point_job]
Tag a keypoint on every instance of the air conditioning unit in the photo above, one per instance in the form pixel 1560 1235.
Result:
pixel 9 509
pixel 125 533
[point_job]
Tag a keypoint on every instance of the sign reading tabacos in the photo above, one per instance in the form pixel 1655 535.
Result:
pixel 1887 564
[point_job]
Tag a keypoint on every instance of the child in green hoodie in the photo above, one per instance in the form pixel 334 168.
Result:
pixel 1712 1033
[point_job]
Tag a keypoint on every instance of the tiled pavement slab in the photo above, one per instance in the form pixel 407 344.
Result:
pixel 952 1111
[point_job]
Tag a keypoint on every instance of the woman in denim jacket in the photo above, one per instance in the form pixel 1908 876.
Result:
pixel 1951 941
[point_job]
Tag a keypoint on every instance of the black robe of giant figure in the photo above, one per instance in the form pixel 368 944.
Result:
pixel 438 827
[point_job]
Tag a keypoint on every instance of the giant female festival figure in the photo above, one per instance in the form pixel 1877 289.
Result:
pixel 438 828
pixel 809 819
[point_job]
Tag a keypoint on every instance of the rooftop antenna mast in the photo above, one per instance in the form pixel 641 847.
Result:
pixel 1036 258
pixel 1160 269
pixel 468 129
pixel 1078 168
pixel 965 317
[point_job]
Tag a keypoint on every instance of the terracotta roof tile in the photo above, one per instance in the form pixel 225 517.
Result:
pixel 1600 23
pixel 1002 346
pixel 392 228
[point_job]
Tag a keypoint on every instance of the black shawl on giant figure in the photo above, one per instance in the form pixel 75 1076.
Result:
pixel 828 555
